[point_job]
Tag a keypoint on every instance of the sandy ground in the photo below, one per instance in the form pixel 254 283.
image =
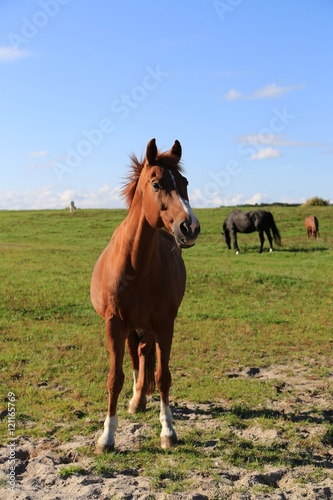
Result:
pixel 39 461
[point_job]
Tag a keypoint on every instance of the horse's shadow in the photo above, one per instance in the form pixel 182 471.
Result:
pixel 213 411
pixel 303 250
pixel 251 248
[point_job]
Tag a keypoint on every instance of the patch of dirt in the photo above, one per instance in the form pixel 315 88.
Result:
pixel 307 401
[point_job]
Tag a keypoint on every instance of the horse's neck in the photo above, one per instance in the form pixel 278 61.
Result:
pixel 141 241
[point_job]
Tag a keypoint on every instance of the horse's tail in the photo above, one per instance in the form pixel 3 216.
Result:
pixel 275 231
pixel 150 369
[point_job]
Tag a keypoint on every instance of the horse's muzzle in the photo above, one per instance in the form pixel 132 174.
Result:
pixel 187 232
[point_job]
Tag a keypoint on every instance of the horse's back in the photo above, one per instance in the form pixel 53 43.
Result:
pixel 261 219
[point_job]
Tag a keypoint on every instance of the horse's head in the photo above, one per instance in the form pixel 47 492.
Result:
pixel 226 235
pixel 164 195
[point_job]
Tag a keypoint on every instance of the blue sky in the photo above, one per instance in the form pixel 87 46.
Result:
pixel 244 85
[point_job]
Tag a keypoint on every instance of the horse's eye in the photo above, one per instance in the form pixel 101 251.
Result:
pixel 156 186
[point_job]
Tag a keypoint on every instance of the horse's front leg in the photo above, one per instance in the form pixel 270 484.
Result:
pixel 163 380
pixel 262 239
pixel 116 336
pixel 235 243
pixel 141 348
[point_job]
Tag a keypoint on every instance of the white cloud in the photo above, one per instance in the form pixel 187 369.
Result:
pixel 200 199
pixel 104 197
pixel 277 140
pixel 266 153
pixel 271 91
pixel 48 164
pixel 39 164
pixel 37 154
pixel 259 139
pixel 257 198
pixel 8 54
pixel 47 197
pixel 233 95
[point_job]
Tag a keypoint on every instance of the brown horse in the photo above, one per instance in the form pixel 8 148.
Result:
pixel 312 226
pixel 139 281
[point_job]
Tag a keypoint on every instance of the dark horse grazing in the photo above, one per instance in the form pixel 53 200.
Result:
pixel 312 226
pixel 257 220
pixel 139 281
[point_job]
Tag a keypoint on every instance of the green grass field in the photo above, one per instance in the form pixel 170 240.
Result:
pixel 238 312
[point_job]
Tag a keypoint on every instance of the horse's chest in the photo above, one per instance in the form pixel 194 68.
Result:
pixel 146 303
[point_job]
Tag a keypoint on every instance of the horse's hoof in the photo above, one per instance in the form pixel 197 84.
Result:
pixel 168 442
pixel 101 448
pixel 134 408
pixel 237 252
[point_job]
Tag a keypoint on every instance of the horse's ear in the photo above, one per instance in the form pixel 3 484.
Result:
pixel 176 150
pixel 151 152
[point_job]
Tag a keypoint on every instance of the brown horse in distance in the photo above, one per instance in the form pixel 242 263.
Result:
pixel 139 281
pixel 312 226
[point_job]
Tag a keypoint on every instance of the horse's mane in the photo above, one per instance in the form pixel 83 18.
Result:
pixel 164 160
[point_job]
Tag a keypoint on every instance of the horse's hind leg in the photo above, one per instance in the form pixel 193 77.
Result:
pixel 116 340
pixel 270 239
pixel 141 348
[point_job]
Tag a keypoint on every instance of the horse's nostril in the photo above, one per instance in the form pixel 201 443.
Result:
pixel 185 229
pixel 189 228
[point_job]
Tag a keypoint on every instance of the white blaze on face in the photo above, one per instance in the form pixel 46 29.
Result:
pixel 191 216
pixel 187 207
